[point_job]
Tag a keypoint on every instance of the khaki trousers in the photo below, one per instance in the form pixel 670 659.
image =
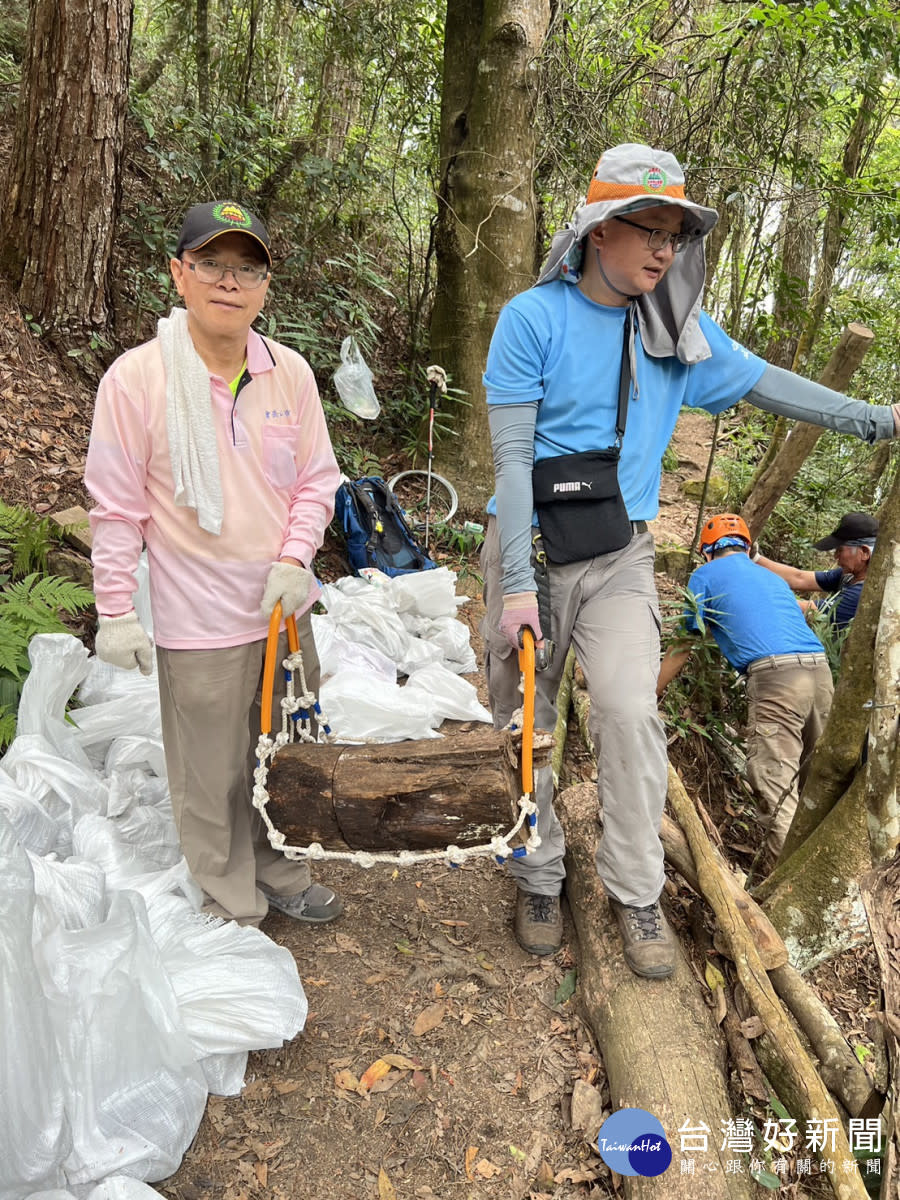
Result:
pixel 210 703
pixel 789 698
pixel 607 608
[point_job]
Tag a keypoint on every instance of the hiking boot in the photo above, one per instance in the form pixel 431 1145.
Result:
pixel 538 923
pixel 647 939
pixel 317 904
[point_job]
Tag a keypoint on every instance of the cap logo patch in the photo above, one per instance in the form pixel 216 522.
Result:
pixel 232 214
pixel 654 180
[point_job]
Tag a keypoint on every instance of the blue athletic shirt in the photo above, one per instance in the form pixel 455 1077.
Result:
pixel 842 604
pixel 555 346
pixel 750 612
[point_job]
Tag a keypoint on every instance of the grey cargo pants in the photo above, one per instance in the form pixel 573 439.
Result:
pixel 607 609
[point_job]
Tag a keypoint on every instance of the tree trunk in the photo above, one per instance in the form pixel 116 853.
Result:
pixel 883 763
pixel 836 757
pixel 813 899
pixel 774 482
pixel 870 119
pixel 486 232
pixel 881 892
pixel 204 107
pixel 63 183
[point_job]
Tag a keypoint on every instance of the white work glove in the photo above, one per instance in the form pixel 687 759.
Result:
pixel 753 551
pixel 520 608
pixel 289 584
pixel 123 642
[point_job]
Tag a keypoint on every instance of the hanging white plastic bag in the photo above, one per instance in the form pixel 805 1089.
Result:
pixel 353 381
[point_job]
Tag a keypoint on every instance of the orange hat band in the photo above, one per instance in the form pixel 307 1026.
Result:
pixel 601 190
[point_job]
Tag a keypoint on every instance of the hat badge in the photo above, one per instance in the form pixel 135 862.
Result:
pixel 232 214
pixel 654 179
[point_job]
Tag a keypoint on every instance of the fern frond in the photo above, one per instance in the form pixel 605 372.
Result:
pixel 7 727
pixel 48 591
pixel 26 538
pixel 13 650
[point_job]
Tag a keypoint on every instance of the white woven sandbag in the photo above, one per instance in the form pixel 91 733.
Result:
pixel 34 1134
pixel 236 989
pixel 134 1096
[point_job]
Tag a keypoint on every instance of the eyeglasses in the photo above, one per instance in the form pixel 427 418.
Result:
pixel 658 239
pixel 247 275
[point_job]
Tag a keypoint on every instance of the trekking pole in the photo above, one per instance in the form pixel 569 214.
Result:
pixel 437 378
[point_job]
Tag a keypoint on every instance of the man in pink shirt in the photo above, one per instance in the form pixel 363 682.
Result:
pixel 209 446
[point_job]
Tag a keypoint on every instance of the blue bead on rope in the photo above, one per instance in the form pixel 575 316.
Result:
pixel 519 852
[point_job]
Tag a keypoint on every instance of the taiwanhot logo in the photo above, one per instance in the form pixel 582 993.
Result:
pixel 633 1142
pixel 232 214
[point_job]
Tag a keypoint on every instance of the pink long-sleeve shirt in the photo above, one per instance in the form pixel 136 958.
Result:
pixel 278 474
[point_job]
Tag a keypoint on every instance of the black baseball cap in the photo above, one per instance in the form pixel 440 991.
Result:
pixel 854 528
pixel 207 221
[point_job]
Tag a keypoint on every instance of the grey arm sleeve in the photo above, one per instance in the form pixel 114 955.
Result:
pixel 789 395
pixel 512 438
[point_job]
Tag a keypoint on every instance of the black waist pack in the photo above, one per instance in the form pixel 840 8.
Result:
pixel 579 505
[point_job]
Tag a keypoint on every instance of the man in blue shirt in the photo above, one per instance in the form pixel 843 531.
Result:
pixel 586 375
pixel 760 629
pixel 852 542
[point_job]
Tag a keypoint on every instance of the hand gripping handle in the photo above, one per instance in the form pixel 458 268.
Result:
pixel 268 683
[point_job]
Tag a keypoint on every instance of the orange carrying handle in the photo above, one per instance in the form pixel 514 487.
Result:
pixel 526 666
pixel 268 683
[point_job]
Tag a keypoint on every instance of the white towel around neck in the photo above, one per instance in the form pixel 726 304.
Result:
pixel 189 423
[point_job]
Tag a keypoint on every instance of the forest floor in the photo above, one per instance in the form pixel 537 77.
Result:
pixel 472 1047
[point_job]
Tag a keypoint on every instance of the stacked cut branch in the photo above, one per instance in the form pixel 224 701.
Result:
pixel 755 948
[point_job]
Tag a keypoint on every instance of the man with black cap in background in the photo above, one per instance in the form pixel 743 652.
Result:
pixel 209 445
pixel 852 542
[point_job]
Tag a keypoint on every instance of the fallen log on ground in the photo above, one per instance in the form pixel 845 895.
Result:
pixel 839 1067
pixel 461 790
pixel 660 1045
pixel 800 1087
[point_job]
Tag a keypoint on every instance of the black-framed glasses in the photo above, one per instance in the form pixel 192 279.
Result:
pixel 658 239
pixel 210 270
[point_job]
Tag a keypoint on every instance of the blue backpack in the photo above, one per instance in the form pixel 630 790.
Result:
pixel 376 530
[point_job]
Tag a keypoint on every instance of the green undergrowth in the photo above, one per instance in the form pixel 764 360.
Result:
pixel 31 602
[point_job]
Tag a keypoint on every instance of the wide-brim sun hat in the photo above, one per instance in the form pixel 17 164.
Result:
pixel 628 178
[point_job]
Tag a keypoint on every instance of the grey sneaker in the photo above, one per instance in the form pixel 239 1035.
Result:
pixel 648 941
pixel 538 923
pixel 317 904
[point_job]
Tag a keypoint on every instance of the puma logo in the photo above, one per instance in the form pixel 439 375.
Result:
pixel 575 486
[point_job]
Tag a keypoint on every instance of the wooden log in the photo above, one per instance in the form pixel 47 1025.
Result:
pixel 661 1047
pixel 839 1067
pixel 461 790
pixel 800 1086
pixel 769 943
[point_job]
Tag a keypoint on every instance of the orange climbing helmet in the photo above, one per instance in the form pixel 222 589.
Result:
pixel 725 525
